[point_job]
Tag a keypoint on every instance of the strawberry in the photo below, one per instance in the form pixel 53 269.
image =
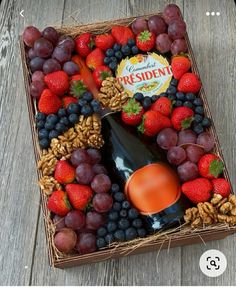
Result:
pixel 182 117
pixel 84 44
pixel 64 173
pixel 49 103
pixel 67 100
pixel 210 166
pixel 100 74
pixel 95 59
pixel 162 105
pixel 180 64
pixel 104 41
pixel 58 203
pixel 153 122
pixel 57 82
pixel 132 112
pixel 79 195
pixel 122 34
pixel 189 83
pixel 221 186
pixel 145 40
pixel 197 190
pixel 77 85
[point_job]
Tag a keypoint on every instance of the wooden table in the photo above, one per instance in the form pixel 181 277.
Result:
pixel 23 255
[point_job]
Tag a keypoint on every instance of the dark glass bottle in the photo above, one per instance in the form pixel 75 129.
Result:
pixel 142 168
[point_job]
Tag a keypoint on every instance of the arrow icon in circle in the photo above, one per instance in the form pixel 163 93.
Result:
pixel 21 13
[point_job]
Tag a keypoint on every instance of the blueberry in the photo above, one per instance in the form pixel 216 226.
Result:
pixel 88 96
pixel 154 98
pixel 198 129
pixel 73 118
pixel 137 223
pixel 188 104
pixel 61 127
pixel 206 122
pixel 119 235
pixel 115 188
pixel 174 82
pixel 95 103
pixel 198 118
pixel 82 102
pixel 113 215
pixel 134 50
pixel 44 143
pixel 178 103
pixel 96 109
pixel 133 213
pixel 123 224
pixel 113 66
pixel 171 90
pixel 61 112
pixel 114 59
pixel 190 96
pixel 111 226
pixel 147 102
pixel 86 110
pixel 163 94
pixel 131 42
pixel 110 52
pixel 40 124
pixel 125 49
pixel 199 110
pixel 116 206
pixel 119 196
pixel 138 96
pixel 73 108
pixel 109 238
pixel 118 55
pixel 40 116
pixel 116 47
pixel 107 60
pixel 53 134
pixel 123 213
pixel 43 133
pixel 65 121
pixel 101 232
pixel 172 97
pixel 198 102
pixel 101 243
pixel 141 232
pixel 125 204
pixel 180 96
pixel 131 233
pixel 49 125
pixel 52 118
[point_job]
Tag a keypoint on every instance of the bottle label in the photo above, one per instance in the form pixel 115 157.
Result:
pixel 149 74
pixel 153 188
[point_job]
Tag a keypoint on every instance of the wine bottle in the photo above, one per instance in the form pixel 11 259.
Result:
pixel 141 167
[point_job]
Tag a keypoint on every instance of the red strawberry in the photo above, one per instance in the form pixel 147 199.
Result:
pixel 84 44
pixel 162 105
pixel 104 41
pixel 145 40
pixel 58 203
pixel 210 166
pixel 197 190
pixel 100 74
pixel 182 117
pixel 49 103
pixel 57 82
pixel 95 59
pixel 64 173
pixel 122 34
pixel 132 112
pixel 221 186
pixel 180 65
pixel 67 100
pixel 79 195
pixel 77 85
pixel 189 83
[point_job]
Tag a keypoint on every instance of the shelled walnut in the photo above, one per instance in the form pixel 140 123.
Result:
pixel 48 184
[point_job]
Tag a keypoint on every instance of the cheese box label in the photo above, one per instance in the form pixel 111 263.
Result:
pixel 149 74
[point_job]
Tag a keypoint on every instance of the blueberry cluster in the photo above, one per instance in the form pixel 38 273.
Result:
pixel 52 125
pixel 124 221
pixel 145 101
pixel 117 53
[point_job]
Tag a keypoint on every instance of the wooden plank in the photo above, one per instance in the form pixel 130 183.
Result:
pixel 213 42
pixel 19 197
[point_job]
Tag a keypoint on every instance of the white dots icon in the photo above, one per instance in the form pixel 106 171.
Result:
pixel 217 13
pixel 212 13
pixel 207 13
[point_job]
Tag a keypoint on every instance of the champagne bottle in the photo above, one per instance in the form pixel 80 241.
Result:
pixel 141 167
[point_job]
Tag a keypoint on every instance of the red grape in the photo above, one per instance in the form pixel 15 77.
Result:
pixel 61 54
pixel 30 35
pixel 75 219
pixel 95 156
pixel 94 220
pixel 178 46
pixel 36 64
pixel 187 136
pixel 102 202
pixel 206 140
pixel 80 156
pixel 36 89
pixel 163 43
pixel 51 35
pixel 66 42
pixel 37 76
pixel 187 171
pixel 101 183
pixel 177 29
pixel 167 138
pixel 85 229
pixel 84 173
pixel 139 25
pixel 51 65
pixel 171 12
pixel 86 243
pixel 43 48
pixel 59 222
pixel 176 155
pixel 157 25
pixel 194 153
pixel 31 53
pixel 99 169
pixel 71 68
pixel 65 240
